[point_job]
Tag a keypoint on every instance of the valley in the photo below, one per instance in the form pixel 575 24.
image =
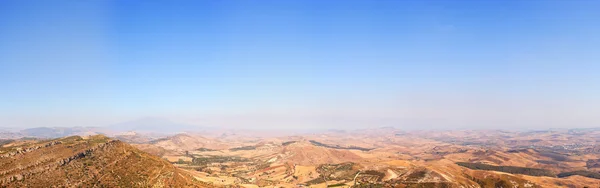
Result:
pixel 381 157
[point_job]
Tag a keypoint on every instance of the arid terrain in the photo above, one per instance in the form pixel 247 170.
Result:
pixel 300 93
pixel 382 157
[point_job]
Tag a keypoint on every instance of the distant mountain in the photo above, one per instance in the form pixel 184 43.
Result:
pixel 183 142
pixel 9 135
pixel 154 125
pixel 132 137
pixel 8 129
pixel 57 132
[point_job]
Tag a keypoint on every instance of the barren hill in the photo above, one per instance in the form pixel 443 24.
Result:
pixel 186 142
pixel 96 161
pixel 304 153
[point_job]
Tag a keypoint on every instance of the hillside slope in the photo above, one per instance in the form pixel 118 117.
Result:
pixel 96 161
pixel 304 153
pixel 186 142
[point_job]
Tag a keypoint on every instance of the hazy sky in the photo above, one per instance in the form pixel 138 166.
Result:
pixel 302 64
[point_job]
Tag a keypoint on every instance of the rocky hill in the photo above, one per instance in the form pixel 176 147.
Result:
pixel 95 161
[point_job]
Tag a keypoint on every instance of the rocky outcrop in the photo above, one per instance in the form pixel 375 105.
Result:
pixel 27 150
pixel 86 153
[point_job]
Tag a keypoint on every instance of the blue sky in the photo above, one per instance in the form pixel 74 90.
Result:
pixel 299 64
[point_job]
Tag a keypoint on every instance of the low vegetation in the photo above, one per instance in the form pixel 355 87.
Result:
pixel 204 160
pixel 328 172
pixel 339 147
pixel 508 169
pixel 205 149
pixel 554 156
pixel 547 162
pixel 584 173
pixel 337 185
pixel 288 143
pixel 243 148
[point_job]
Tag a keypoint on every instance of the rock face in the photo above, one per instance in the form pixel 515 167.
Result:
pixel 93 162
pixel 22 151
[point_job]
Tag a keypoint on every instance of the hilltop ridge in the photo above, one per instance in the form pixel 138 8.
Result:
pixel 94 161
